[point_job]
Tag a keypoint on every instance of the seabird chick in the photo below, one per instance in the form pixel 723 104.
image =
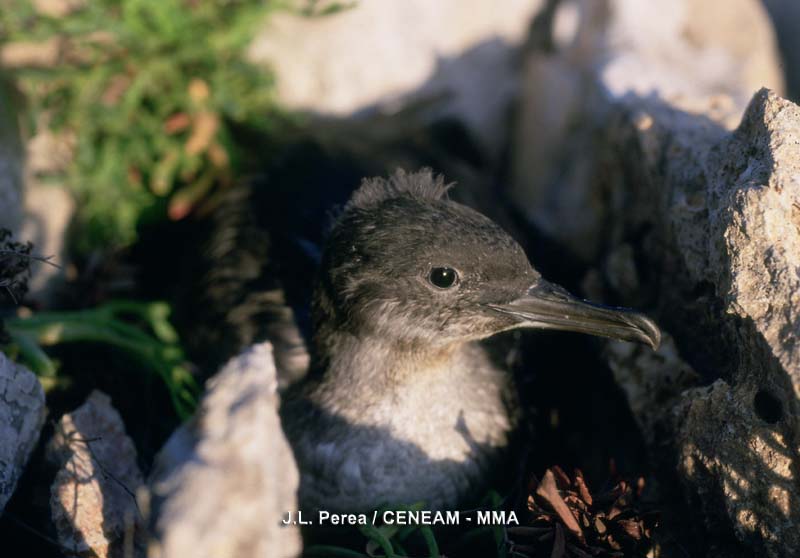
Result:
pixel 403 403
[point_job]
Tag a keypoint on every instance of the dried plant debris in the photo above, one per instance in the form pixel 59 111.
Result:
pixel 566 521
pixel 15 260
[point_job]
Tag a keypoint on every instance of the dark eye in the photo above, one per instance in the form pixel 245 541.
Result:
pixel 443 277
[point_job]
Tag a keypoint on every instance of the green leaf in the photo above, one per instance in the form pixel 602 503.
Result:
pixel 325 551
pixel 120 140
pixel 157 349
pixel 379 539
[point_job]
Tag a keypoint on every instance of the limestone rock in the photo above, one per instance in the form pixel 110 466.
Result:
pixel 22 414
pixel 739 466
pixel 223 483
pixel 92 499
pixel 49 206
pixel 692 54
pixel 48 211
pixel 653 381
pixel 379 55
pixel 742 243
pixel 683 205
pixel 33 211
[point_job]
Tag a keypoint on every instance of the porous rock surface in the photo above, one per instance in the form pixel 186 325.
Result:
pixel 685 199
pixel 223 483
pixel 22 413
pixel 93 496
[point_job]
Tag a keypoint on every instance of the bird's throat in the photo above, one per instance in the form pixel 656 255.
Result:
pixel 372 369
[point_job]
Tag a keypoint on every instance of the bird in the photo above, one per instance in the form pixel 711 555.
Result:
pixel 402 403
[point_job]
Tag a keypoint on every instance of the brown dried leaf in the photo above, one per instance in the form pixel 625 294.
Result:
pixel 583 490
pixel 604 526
pixel 548 491
pixel 178 122
pixel 185 199
pixel 203 132
pixel 531 502
pixel 562 479
pixel 600 526
pixel 117 87
pixel 198 90
pixel 218 155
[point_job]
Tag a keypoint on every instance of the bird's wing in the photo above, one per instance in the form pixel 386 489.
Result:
pixel 232 293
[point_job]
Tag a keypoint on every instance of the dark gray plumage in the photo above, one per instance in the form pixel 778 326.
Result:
pixel 403 404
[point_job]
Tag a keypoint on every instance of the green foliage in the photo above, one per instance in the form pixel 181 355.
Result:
pixel 383 540
pixel 140 329
pixel 389 541
pixel 148 92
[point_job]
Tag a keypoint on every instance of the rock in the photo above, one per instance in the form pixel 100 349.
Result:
pixel 650 182
pixel 48 212
pixel 739 467
pixel 22 414
pixel 785 15
pixel 379 55
pixel 92 499
pixel 716 225
pixel 33 211
pixel 10 165
pixel 223 483
pixel 739 441
pixel 49 207
pixel 690 54
pixel 652 380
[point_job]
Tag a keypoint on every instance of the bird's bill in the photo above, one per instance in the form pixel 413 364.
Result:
pixel 548 306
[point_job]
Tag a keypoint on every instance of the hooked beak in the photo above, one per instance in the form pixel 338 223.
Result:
pixel 548 306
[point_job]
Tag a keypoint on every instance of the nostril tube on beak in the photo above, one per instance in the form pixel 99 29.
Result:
pixel 549 306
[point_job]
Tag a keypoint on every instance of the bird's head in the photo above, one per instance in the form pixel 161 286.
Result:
pixel 409 266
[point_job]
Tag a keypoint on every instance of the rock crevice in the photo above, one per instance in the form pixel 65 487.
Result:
pixel 693 205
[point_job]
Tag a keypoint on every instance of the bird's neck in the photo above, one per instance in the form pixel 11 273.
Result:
pixel 370 368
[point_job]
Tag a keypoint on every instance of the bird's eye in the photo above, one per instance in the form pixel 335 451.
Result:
pixel 443 277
